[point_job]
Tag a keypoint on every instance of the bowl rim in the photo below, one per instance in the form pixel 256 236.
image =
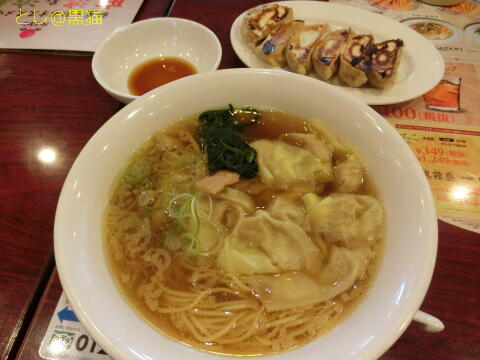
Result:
pixel 422 281
pixel 118 32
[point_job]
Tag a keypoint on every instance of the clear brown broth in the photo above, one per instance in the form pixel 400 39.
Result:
pixel 272 125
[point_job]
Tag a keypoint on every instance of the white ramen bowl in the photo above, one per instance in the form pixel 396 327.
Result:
pixel 411 241
pixel 121 52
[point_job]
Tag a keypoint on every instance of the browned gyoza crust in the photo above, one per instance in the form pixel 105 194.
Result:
pixel 272 49
pixel 385 60
pixel 299 48
pixel 355 60
pixel 259 22
pixel 326 54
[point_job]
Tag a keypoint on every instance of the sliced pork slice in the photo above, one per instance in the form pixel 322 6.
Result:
pixel 215 183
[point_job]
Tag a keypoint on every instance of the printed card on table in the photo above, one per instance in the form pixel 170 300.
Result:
pixel 62 24
pixel 454 30
pixel 66 338
pixel 450 157
pixel 442 126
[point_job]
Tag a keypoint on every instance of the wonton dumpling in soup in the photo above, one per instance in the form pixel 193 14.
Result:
pixel 314 145
pixel 257 266
pixel 344 266
pixel 286 244
pixel 231 199
pixel 287 167
pixel 237 198
pixel 344 218
pixel 227 207
pixel 348 175
pixel 238 257
pixel 291 290
pixel 287 206
pixel 338 148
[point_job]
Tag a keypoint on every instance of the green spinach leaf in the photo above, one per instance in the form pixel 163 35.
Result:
pixel 225 146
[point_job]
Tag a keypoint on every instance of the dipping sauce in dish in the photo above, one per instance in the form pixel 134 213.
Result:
pixel 156 72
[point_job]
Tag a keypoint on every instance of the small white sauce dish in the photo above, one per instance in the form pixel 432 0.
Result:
pixel 121 52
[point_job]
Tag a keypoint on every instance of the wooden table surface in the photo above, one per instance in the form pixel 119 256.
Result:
pixel 53 101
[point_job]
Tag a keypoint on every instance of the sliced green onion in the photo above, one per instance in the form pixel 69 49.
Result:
pixel 137 174
pixel 184 209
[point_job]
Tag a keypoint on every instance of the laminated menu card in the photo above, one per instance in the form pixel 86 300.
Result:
pixel 67 339
pixel 442 127
pixel 62 24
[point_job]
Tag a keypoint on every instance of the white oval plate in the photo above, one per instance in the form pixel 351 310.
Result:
pixel 421 66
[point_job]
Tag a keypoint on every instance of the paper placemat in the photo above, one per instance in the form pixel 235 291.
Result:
pixel 79 25
pixel 442 126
